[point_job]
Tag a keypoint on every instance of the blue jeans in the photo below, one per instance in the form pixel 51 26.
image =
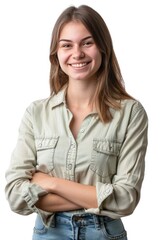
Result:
pixel 66 226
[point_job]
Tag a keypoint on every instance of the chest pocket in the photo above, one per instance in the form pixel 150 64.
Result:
pixel 45 153
pixel 104 157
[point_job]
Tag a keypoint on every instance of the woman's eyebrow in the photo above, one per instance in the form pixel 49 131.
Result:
pixel 67 40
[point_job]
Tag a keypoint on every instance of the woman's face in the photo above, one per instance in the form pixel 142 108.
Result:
pixel 77 52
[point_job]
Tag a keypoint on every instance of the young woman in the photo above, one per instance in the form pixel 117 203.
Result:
pixel 79 159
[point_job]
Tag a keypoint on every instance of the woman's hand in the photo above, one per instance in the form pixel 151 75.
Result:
pixel 44 180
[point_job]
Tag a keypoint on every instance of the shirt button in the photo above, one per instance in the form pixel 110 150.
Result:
pixel 82 130
pixel 73 145
pixel 108 190
pixel 70 166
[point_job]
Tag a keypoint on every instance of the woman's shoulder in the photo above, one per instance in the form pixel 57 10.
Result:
pixel 47 103
pixel 39 103
pixel 132 103
pixel 133 106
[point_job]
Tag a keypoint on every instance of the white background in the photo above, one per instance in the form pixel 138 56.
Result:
pixel 25 33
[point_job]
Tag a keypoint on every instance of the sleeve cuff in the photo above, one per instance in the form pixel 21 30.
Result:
pixel 103 191
pixel 32 194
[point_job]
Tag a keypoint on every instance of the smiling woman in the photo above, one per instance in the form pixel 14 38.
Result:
pixel 78 55
pixel 79 158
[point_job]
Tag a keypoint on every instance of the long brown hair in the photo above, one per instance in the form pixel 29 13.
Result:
pixel 110 86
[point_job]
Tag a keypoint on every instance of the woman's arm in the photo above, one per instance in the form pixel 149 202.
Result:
pixel 54 203
pixel 83 195
pixel 79 194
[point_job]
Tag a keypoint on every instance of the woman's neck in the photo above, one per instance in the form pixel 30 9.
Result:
pixel 80 96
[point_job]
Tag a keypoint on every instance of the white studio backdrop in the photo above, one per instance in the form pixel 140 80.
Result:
pixel 25 33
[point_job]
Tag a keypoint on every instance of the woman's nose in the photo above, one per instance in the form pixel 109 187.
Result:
pixel 78 53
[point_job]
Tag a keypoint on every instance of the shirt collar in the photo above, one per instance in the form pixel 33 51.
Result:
pixel 59 98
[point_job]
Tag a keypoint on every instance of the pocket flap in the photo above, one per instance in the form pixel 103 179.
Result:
pixel 46 143
pixel 105 146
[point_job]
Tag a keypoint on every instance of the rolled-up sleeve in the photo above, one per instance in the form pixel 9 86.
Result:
pixel 120 197
pixel 20 193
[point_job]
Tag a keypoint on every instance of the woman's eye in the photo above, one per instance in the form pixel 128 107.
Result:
pixel 87 43
pixel 66 45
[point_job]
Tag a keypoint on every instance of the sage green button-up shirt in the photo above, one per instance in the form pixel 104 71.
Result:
pixel 109 156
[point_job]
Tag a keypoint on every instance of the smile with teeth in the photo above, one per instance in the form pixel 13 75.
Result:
pixel 79 65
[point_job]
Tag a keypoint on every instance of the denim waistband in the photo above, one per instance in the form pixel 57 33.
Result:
pixel 79 218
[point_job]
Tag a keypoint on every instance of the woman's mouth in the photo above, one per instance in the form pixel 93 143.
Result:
pixel 78 65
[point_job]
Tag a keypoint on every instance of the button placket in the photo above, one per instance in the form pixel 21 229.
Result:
pixel 71 158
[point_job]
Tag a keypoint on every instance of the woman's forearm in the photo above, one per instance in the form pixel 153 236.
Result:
pixel 54 203
pixel 79 194
pixel 83 195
